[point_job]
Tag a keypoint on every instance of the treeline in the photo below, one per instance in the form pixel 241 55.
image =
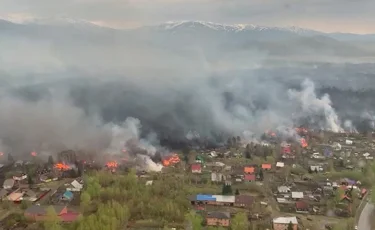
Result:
pixel 259 150
pixel 113 201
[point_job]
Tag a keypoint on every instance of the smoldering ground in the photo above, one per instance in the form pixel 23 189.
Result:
pixel 96 94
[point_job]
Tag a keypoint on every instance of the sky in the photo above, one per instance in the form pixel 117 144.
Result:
pixel 354 16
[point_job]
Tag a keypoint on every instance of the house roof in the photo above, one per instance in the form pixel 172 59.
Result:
pixel 244 199
pixel 69 217
pixel 285 220
pixel 68 195
pixel 42 210
pixel 280 164
pixel 202 197
pixel 196 167
pixel 283 188
pixel 266 166
pixel 248 169
pixel 218 215
pixel 8 183
pixel 302 205
pixel 224 199
pixel 297 195
pixel 76 184
pixel 14 196
pixel 250 177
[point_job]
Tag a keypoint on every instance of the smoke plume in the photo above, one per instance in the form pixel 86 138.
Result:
pixel 103 91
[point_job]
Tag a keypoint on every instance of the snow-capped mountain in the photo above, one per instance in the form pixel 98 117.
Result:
pixel 231 27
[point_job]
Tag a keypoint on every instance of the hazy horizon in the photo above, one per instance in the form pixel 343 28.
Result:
pixel 332 16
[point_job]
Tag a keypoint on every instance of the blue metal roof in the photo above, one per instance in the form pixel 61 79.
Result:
pixel 68 195
pixel 202 197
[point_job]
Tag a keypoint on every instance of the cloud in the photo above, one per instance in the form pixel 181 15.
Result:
pixel 342 15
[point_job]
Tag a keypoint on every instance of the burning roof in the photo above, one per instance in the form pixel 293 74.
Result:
pixel 111 164
pixel 303 142
pixel 62 166
pixel 171 160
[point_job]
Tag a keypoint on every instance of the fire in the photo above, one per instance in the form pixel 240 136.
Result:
pixel 303 142
pixel 270 133
pixel 33 154
pixel 61 166
pixel 170 160
pixel 111 164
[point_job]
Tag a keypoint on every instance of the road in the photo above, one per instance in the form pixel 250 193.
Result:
pixel 364 222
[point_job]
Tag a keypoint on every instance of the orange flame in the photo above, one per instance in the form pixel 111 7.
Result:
pixel 170 160
pixel 111 164
pixel 61 166
pixel 33 154
pixel 303 142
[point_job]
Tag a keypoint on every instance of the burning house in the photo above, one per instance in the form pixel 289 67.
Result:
pixel 171 160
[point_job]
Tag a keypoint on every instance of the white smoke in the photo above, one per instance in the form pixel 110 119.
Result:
pixel 348 126
pixel 148 165
pixel 312 106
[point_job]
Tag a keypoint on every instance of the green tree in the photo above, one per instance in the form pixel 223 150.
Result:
pixel 50 160
pixel 237 192
pixel 30 179
pixel 52 221
pixel 85 200
pixel 240 221
pixel 194 220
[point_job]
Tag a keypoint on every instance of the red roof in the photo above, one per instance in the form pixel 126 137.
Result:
pixel 286 150
pixel 196 167
pixel 266 166
pixel 249 177
pixel 69 217
pixel 302 205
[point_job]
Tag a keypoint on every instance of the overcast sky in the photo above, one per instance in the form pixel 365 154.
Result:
pixel 356 16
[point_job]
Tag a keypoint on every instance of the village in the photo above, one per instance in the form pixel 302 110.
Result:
pixel 318 181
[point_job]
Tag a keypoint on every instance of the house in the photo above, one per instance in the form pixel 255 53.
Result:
pixel 29 195
pixel 202 199
pixel 297 195
pixel 19 176
pixel 217 177
pixel 282 223
pixel 302 207
pixel 48 177
pixel 243 201
pixel 316 168
pixel 249 177
pixel 348 142
pixel 8 184
pixel 283 189
pixel 75 186
pixel 68 196
pixel 196 168
pixel 266 166
pixel 15 196
pixel 37 212
pixel 218 219
pixel 149 182
pixel 280 165
pixel 224 200
pixel 249 169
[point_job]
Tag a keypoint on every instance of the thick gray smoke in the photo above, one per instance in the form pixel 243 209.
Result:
pixel 97 89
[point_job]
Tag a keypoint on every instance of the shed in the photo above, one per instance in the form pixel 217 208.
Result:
pixel 266 166
pixel 297 195
pixel 283 189
pixel 249 169
pixel 8 183
pixel 249 177
pixel 224 199
pixel 68 195
pixel 280 164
